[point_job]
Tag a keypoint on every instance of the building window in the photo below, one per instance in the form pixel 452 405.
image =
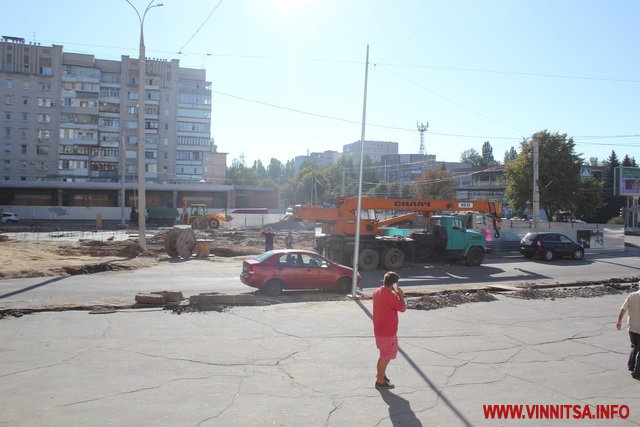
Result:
pixel 45 102
pixel 133 95
pixel 7 148
pixel 45 86
pixel 9 84
pixel 7 131
pixel 25 100
pixel 25 85
pixel 25 116
pixel 42 149
pixel 44 134
pixel 132 125
pixel 23 148
pixel 7 115
pixel 42 165
pixel 8 99
pixel 44 118
pixel 132 110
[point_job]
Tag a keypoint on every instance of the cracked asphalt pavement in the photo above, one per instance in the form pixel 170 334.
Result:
pixel 313 364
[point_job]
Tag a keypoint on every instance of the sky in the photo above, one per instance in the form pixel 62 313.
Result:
pixel 288 76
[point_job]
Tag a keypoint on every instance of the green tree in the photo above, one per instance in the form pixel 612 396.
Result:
pixel 487 155
pixel 510 154
pixel 471 156
pixel 435 183
pixel 558 174
pixel 629 162
pixel 588 199
pixel 240 174
pixel 275 170
pixel 611 203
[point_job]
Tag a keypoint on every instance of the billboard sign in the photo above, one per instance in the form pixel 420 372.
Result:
pixel 627 182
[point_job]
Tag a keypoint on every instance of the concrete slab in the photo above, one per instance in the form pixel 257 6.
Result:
pixel 313 364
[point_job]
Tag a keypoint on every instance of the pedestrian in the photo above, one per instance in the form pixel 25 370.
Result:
pixel 388 300
pixel 632 307
pixel 133 217
pixel 268 239
pixel 288 241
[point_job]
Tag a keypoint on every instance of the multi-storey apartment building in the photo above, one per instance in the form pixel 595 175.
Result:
pixel 72 118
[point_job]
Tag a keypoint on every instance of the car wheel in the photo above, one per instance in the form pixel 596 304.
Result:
pixel 344 285
pixel 474 257
pixel 392 258
pixel 273 288
pixel 547 255
pixel 368 260
pixel 528 256
pixel 578 254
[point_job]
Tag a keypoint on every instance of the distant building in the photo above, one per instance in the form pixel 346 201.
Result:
pixel 375 150
pixel 321 160
pixel 72 118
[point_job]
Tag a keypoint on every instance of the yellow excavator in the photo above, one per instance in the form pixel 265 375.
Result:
pixel 197 217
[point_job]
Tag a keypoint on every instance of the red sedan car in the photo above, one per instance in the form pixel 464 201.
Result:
pixel 281 269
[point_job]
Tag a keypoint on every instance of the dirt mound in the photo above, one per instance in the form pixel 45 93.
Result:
pixel 448 299
pixel 532 292
pixel 288 223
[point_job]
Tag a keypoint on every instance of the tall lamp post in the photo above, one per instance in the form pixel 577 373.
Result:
pixel 142 197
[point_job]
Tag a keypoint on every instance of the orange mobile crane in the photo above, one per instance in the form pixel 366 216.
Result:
pixel 449 238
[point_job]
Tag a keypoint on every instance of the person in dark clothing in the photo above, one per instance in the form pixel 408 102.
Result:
pixel 269 235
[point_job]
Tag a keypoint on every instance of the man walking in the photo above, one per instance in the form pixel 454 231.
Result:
pixel 632 307
pixel 388 300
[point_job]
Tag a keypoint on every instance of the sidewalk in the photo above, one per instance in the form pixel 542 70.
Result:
pixel 313 364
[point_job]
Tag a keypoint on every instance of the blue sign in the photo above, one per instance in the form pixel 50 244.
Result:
pixel 585 172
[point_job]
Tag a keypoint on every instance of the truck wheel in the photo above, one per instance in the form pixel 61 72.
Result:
pixel 392 258
pixel 214 223
pixel 368 260
pixel 474 257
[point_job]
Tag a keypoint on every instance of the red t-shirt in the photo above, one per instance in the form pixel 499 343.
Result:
pixel 386 306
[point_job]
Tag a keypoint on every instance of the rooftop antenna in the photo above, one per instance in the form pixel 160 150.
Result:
pixel 422 128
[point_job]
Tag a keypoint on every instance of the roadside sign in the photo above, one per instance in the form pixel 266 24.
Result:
pixel 585 172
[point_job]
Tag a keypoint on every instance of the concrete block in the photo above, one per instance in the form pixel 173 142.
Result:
pixel 151 299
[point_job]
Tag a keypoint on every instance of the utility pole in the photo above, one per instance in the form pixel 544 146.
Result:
pixel 142 197
pixel 422 128
pixel 536 191
pixel 356 251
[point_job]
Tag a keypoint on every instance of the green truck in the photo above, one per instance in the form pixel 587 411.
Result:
pixel 446 237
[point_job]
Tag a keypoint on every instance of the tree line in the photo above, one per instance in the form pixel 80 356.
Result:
pixel 559 182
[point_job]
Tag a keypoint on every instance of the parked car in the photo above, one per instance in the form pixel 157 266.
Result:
pixel 549 246
pixel 281 269
pixel 9 217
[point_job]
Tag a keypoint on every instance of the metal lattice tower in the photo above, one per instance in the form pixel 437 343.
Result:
pixel 422 128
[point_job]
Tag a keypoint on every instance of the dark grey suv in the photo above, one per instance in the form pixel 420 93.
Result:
pixel 549 246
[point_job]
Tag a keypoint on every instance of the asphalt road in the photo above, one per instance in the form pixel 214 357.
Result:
pixel 221 275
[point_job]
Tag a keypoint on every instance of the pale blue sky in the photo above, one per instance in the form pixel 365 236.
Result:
pixel 496 70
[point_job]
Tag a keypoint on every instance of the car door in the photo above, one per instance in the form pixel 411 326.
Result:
pixel 565 247
pixel 320 273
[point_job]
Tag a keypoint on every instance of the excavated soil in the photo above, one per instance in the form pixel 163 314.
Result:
pixel 40 258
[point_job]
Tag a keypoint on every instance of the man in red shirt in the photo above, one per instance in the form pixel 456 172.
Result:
pixel 388 300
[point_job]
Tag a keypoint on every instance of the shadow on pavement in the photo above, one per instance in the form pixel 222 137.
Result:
pixel 450 275
pixel 400 412
pixel 30 288
pixel 397 400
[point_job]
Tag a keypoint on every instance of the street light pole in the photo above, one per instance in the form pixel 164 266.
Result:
pixel 142 201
